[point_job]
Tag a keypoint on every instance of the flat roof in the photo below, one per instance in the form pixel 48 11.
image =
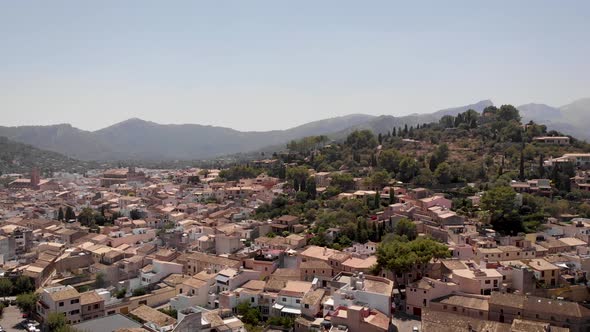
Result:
pixel 107 324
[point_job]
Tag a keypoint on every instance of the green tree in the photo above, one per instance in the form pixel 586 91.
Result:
pixel 443 174
pixel 27 302
pixel 389 160
pixel 501 204
pixel 56 321
pixel 311 189
pixel 440 155
pixel 100 281
pixel 391 196
pixel 135 214
pixel 342 181
pixel 23 284
pixel 363 139
pixel 139 291
pixel 5 287
pixel 400 256
pixel 86 216
pixel 378 179
pixel 60 214
pixel 250 315
pixel 70 214
pixel 405 227
pixel 408 169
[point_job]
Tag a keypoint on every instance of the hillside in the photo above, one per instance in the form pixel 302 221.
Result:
pixel 571 118
pixel 20 158
pixel 385 123
pixel 143 140
pixel 136 139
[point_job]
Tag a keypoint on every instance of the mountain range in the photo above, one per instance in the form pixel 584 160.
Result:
pixel 136 139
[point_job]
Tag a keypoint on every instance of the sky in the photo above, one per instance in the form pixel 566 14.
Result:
pixel 261 65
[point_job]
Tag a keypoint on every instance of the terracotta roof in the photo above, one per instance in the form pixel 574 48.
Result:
pixel 63 294
pixel 90 297
pixel 148 314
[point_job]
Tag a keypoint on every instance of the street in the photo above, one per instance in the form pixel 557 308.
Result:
pixel 11 319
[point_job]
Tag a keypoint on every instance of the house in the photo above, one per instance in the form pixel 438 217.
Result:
pixel 505 308
pixel 92 305
pixel 552 140
pixel 360 319
pixel 153 319
pixel 354 289
pixel 61 299
pixel 289 299
pixel 421 293
pixel 197 262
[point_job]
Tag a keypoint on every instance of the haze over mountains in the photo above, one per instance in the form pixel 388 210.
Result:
pixel 136 139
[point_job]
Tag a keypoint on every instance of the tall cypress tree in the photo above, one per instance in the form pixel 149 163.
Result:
pixel 541 167
pixel 521 169
pixel 60 214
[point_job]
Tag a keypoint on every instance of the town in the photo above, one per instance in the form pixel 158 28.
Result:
pixel 475 223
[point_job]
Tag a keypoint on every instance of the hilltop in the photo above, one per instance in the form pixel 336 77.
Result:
pixel 137 139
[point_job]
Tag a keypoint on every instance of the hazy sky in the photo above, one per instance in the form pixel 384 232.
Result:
pixel 258 65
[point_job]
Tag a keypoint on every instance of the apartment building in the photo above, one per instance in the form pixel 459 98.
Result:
pixel 61 299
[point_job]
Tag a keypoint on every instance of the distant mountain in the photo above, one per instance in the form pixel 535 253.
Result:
pixel 21 158
pixel 136 139
pixel 572 119
pixel 385 123
pixel 540 113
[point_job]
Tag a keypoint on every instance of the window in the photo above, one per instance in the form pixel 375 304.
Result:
pixel 180 291
pixel 487 282
pixel 454 308
pixel 96 306
pixel 75 301
pixel 252 299
pixel 61 304
pixel 445 307
pixel 74 312
pixel 297 301
pixel 481 313
pixel 284 299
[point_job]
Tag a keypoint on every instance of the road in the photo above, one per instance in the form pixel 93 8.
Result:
pixel 11 319
pixel 405 323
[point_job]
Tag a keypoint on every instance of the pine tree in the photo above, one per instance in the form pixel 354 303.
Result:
pixel 394 132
